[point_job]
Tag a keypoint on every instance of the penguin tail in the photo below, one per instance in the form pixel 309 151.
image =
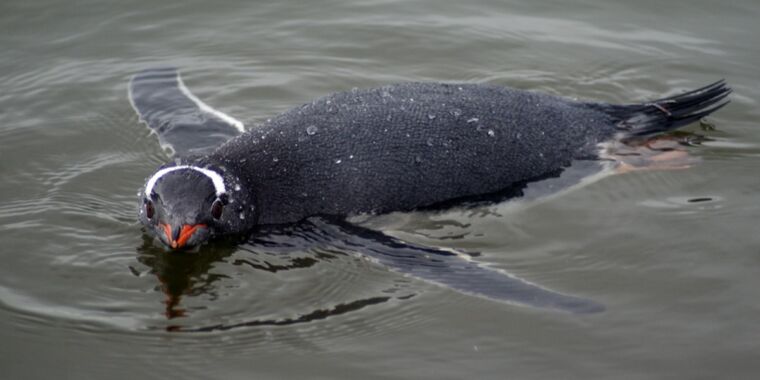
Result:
pixel 669 113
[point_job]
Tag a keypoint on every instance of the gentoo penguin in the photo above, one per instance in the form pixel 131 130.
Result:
pixel 399 147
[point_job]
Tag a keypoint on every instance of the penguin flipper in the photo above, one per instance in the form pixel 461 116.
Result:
pixel 448 269
pixel 183 123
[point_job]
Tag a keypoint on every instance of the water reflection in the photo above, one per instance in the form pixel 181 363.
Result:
pixel 271 250
pixel 315 240
pixel 182 273
pixel 315 315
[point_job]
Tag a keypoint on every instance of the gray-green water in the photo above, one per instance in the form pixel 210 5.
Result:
pixel 82 295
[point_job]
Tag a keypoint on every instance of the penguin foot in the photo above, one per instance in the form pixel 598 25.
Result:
pixel 658 153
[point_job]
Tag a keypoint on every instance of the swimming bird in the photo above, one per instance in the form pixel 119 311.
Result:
pixel 400 147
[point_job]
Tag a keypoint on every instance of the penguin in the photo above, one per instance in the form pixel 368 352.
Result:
pixel 400 147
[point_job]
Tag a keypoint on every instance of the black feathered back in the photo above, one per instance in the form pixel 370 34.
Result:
pixel 412 145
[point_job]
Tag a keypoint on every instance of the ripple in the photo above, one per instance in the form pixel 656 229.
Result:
pixel 297 275
pixel 305 318
pixel 686 204
pixel 672 254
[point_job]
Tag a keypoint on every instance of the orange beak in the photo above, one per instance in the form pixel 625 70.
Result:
pixel 185 234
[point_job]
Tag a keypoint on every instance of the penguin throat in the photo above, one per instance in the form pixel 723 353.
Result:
pixel 215 177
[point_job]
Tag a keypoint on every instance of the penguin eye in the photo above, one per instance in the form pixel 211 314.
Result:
pixel 216 209
pixel 149 209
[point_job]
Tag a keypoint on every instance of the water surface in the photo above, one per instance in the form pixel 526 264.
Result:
pixel 84 295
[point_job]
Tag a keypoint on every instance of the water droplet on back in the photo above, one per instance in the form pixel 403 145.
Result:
pixel 311 130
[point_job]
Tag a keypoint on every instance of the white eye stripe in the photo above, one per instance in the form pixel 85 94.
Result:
pixel 216 179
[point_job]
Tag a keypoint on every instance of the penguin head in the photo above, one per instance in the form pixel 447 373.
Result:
pixel 186 205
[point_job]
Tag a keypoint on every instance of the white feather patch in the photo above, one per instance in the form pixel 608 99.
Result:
pixel 216 179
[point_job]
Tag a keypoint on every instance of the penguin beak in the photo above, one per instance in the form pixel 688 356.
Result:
pixel 176 237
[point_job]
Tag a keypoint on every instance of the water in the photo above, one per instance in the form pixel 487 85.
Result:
pixel 84 295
